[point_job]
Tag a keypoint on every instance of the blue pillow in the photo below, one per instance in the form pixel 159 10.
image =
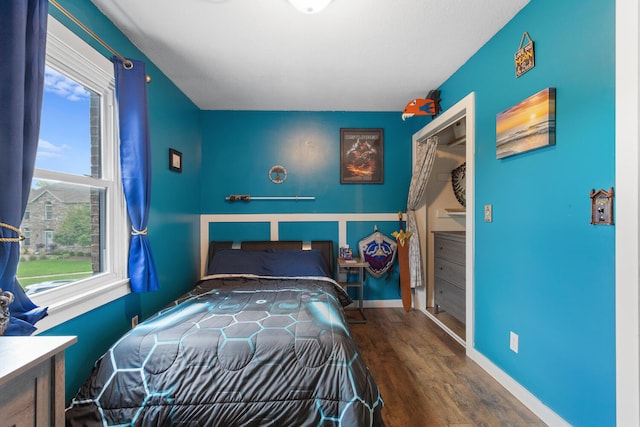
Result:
pixel 232 261
pixel 287 263
pixel 291 263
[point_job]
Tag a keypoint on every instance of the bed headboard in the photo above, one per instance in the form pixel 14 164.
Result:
pixel 324 246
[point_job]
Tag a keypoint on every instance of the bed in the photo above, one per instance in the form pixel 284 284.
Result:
pixel 261 340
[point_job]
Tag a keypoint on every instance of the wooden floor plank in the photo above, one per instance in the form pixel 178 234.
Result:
pixel 425 378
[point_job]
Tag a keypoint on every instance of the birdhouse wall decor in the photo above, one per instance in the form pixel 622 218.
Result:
pixel 602 207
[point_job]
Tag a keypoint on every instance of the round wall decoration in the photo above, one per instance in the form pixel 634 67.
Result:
pixel 277 174
pixel 458 181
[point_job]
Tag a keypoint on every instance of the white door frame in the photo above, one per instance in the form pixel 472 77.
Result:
pixel 463 108
pixel 627 213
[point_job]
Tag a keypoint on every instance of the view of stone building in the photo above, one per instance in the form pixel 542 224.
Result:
pixel 47 208
pixel 50 204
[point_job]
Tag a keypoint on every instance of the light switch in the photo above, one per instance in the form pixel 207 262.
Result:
pixel 488 213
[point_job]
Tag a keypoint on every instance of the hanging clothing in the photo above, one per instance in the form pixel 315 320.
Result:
pixel 425 157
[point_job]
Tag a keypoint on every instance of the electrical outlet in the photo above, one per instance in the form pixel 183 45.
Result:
pixel 513 341
pixel 134 321
pixel 488 213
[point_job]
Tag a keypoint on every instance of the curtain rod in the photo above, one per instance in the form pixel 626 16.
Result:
pixel 127 63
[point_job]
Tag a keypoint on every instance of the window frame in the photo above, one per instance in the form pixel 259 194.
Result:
pixel 69 54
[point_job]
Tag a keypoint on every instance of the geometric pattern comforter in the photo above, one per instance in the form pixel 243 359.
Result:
pixel 236 351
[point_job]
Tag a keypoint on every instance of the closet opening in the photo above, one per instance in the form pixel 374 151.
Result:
pixel 445 222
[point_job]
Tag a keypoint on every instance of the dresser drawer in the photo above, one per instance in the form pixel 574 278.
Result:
pixel 25 400
pixel 450 299
pixel 446 247
pixel 450 271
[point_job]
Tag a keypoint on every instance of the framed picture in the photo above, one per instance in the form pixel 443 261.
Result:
pixel 526 126
pixel 361 156
pixel 175 160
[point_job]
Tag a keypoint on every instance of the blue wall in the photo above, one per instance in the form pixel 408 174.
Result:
pixel 239 148
pixel 542 270
pixel 175 204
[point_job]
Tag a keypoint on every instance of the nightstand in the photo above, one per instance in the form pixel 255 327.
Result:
pixel 348 269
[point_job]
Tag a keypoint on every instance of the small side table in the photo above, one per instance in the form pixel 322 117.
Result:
pixel 358 266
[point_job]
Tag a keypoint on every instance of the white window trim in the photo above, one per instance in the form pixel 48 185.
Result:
pixel 48 211
pixel 68 53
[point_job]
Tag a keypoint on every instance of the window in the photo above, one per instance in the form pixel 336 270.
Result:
pixel 48 211
pixel 77 261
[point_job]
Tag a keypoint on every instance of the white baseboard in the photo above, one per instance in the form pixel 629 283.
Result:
pixel 383 303
pixel 547 415
pixel 521 393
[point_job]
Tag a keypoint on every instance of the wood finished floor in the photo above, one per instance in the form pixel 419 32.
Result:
pixel 425 378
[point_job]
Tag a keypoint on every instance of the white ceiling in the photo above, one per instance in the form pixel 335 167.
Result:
pixel 356 55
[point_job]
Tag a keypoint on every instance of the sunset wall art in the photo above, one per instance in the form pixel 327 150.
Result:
pixel 526 126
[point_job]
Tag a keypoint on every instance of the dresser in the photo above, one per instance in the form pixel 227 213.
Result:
pixel 32 380
pixel 449 273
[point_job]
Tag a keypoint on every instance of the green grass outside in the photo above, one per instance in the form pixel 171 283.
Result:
pixel 30 272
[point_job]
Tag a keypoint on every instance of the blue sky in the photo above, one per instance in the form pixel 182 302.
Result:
pixel 65 144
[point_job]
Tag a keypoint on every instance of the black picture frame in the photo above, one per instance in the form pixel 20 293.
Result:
pixel 175 160
pixel 361 156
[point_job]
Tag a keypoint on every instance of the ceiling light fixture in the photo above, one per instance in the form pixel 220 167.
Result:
pixel 310 6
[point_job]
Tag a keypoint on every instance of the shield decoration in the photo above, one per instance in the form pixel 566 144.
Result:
pixel 379 252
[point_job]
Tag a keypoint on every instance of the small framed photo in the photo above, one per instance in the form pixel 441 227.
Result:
pixel 361 156
pixel 175 160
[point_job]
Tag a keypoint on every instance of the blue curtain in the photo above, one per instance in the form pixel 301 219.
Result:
pixel 23 37
pixel 135 161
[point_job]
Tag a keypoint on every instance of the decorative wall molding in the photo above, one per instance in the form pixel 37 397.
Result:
pixel 274 219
